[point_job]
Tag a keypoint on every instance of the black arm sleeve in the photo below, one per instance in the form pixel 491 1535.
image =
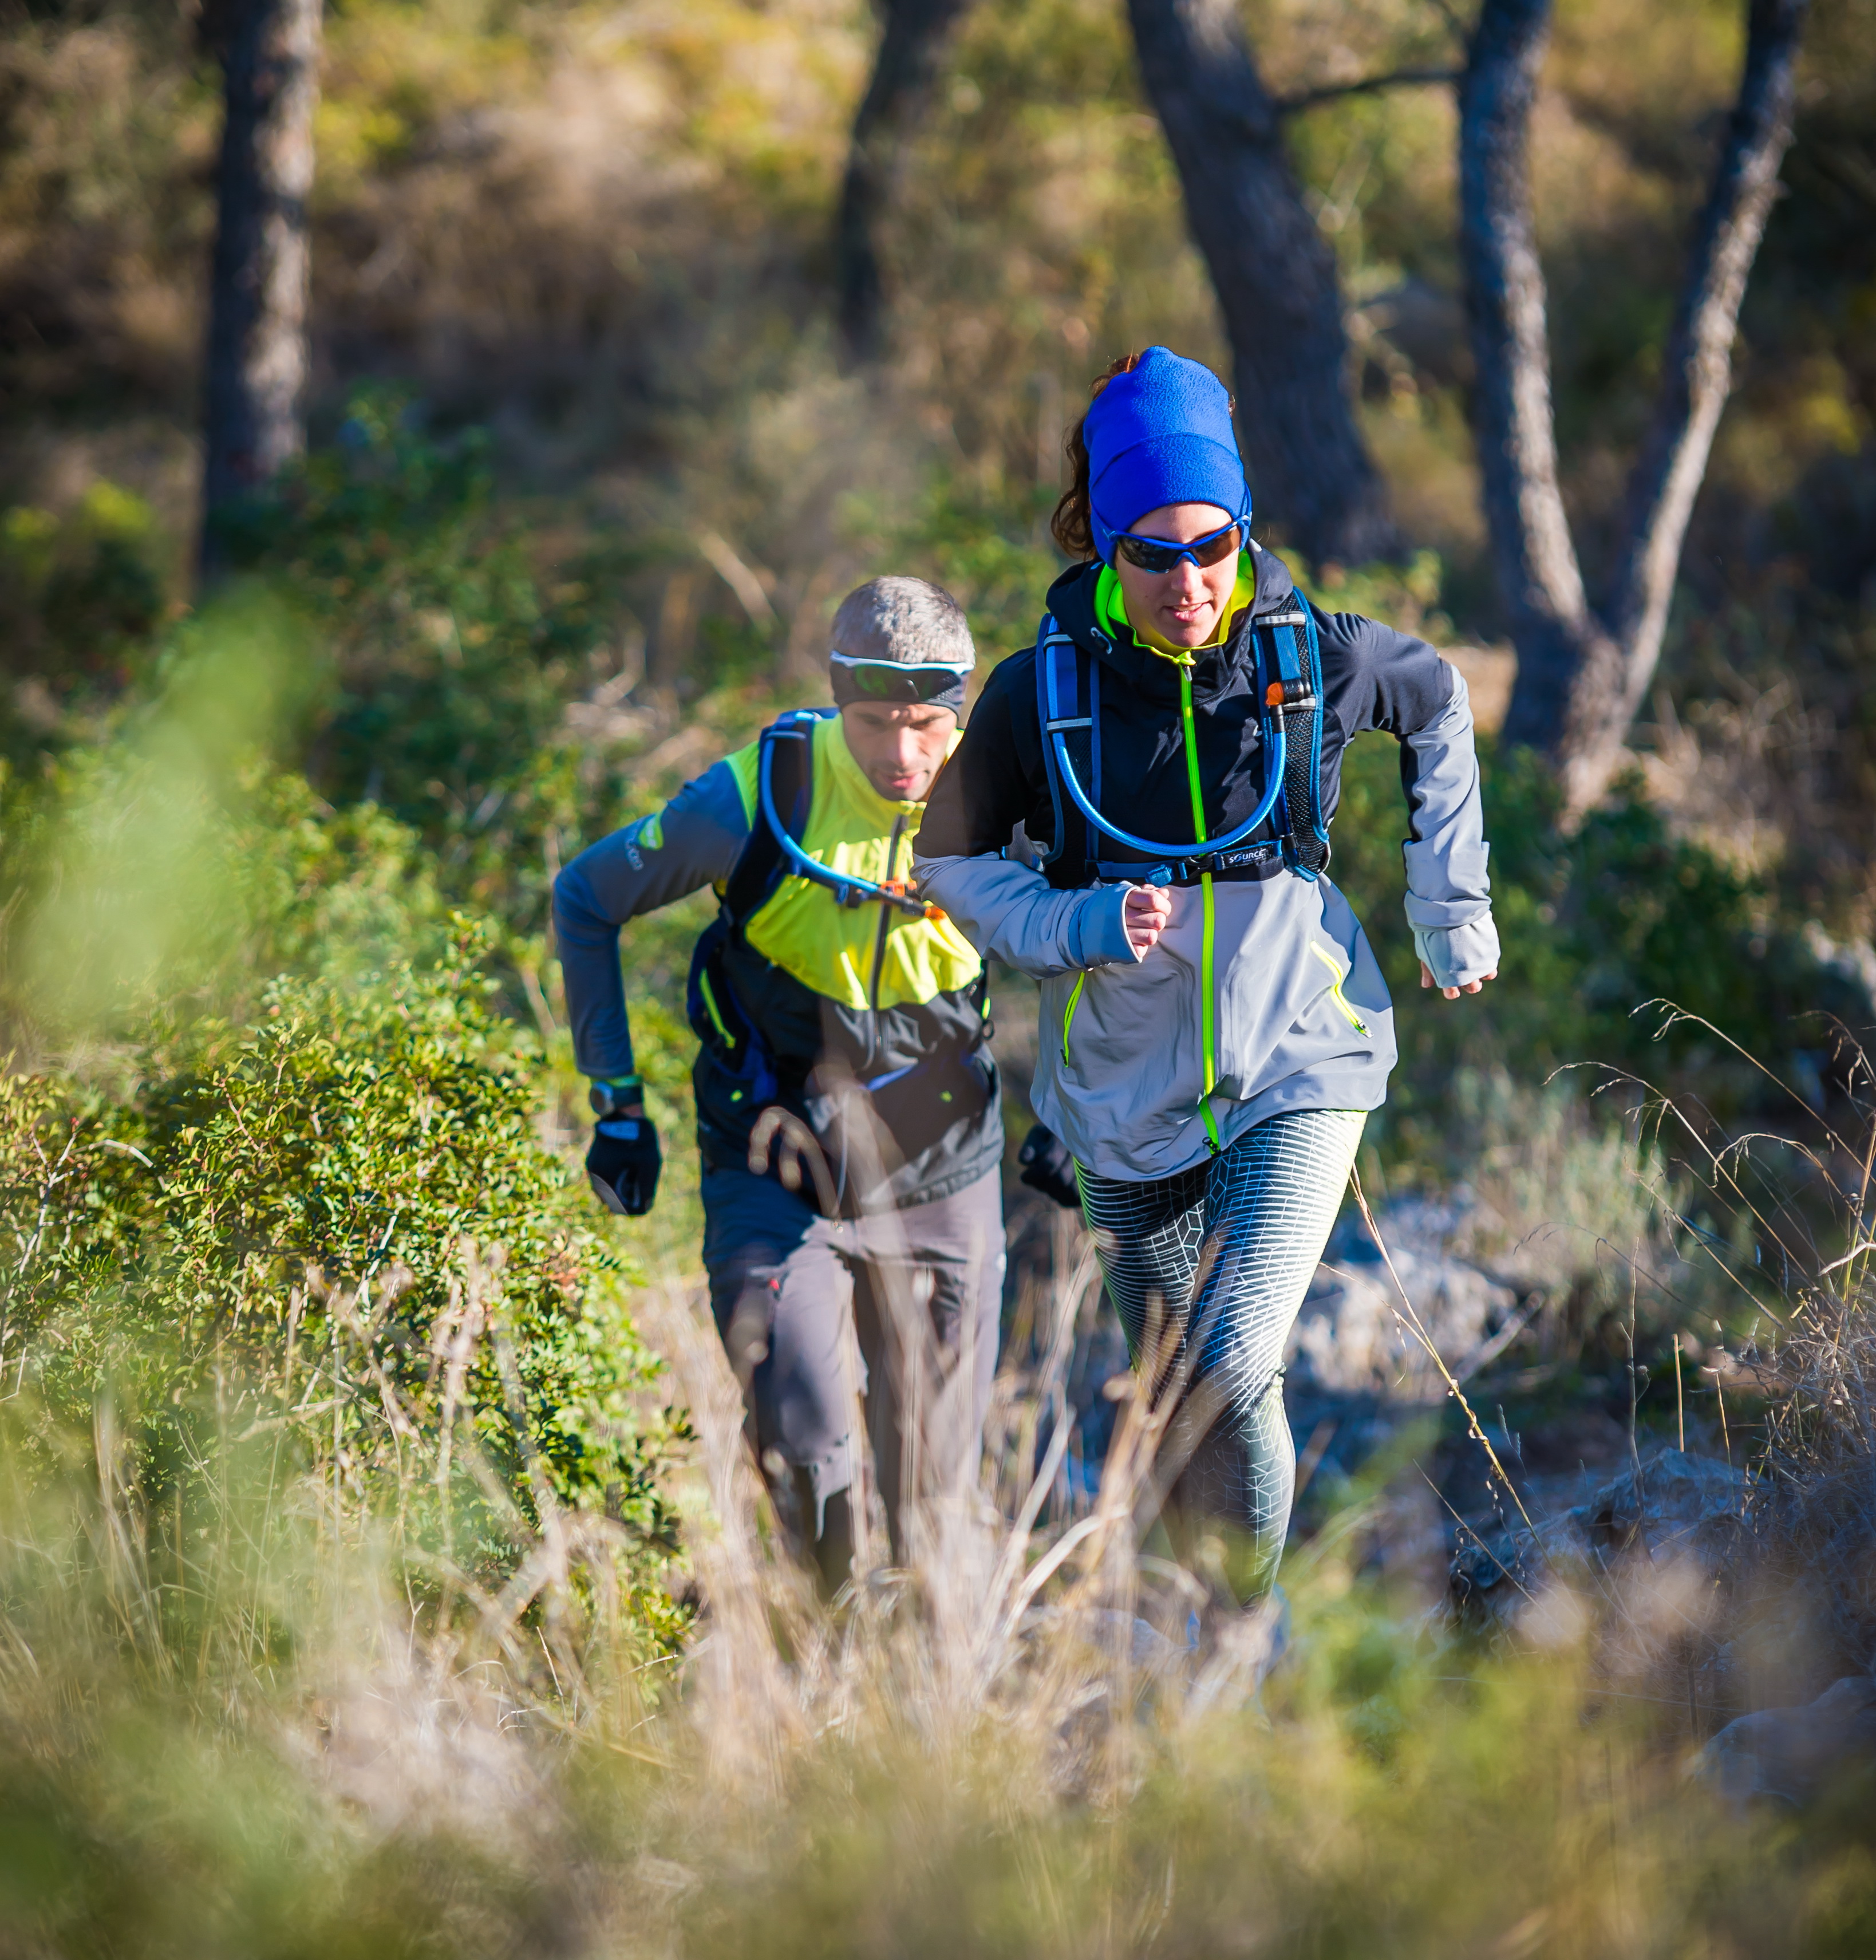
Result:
pixel 995 780
pixel 1378 678
pixel 1375 677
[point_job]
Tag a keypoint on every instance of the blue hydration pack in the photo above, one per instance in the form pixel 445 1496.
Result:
pixel 1288 669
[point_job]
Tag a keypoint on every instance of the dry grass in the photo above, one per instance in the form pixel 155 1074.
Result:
pixel 1004 1746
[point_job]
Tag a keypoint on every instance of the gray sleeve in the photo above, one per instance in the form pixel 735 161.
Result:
pixel 693 841
pixel 1449 893
pixel 1010 912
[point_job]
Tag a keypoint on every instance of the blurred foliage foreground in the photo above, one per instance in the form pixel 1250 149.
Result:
pixel 273 1187
pixel 340 1488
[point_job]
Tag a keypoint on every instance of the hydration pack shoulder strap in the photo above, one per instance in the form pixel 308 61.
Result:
pixel 1289 668
pixel 716 1016
pixel 788 747
pixel 1068 702
pixel 1290 665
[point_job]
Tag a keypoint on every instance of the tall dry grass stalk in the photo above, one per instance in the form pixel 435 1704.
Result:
pixel 1007 1611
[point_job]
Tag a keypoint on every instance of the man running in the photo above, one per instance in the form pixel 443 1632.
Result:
pixel 847 1113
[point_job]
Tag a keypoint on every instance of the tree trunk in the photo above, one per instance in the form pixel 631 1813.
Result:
pixel 1582 674
pixel 1275 276
pixel 257 354
pixel 1696 376
pixel 1535 560
pixel 913 40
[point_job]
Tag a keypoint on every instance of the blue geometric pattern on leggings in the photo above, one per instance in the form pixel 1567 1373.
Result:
pixel 1266 1205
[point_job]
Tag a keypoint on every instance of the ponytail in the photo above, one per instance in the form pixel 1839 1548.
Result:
pixel 1073 524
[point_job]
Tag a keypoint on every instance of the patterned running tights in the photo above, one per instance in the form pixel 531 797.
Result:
pixel 1247 1228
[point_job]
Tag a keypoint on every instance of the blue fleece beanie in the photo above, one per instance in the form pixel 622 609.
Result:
pixel 1161 434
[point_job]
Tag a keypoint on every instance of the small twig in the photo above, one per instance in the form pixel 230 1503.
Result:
pixel 800 1146
pixel 1681 1412
pixel 1373 84
pixel 1856 1252
pixel 1413 1325
pixel 1477 1539
pixel 1313 1452
pixel 1719 1395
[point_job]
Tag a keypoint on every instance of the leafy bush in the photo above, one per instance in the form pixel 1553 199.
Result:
pixel 79 593
pixel 454 650
pixel 1596 927
pixel 170 868
pixel 336 1226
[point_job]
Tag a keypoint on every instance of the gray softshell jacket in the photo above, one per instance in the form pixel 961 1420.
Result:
pixel 1303 1019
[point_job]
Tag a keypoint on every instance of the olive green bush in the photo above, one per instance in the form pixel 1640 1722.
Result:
pixel 279 1171
pixel 1601 930
pixel 337 1226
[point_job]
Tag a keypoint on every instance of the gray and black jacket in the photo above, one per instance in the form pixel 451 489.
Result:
pixel 1303 1019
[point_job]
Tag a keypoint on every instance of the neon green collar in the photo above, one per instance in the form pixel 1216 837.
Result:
pixel 1111 609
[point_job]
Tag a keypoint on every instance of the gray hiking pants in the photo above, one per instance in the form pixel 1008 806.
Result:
pixel 921 1288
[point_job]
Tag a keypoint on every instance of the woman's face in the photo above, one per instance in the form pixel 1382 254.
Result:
pixel 1182 606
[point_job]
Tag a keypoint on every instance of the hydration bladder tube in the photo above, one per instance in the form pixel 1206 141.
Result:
pixel 850 890
pixel 1272 788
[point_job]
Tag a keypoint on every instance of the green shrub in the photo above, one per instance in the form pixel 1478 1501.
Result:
pixel 454 653
pixel 173 870
pixel 337 1226
pixel 1597 928
pixel 80 592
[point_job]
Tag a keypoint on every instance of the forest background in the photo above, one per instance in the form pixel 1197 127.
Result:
pixel 589 465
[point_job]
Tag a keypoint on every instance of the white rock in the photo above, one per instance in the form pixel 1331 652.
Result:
pixel 1352 1335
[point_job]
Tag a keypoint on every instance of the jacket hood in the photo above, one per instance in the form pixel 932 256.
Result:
pixel 1071 602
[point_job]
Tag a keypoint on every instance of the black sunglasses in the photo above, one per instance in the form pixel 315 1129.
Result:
pixel 925 682
pixel 1162 554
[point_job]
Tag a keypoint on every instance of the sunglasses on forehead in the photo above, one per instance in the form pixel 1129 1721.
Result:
pixel 1163 554
pixel 929 681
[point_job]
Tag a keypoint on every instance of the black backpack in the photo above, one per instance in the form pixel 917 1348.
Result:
pixel 716 1015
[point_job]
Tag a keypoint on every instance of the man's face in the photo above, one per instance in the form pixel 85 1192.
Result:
pixel 900 745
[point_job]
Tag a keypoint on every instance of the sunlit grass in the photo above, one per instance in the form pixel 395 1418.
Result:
pixel 268 1745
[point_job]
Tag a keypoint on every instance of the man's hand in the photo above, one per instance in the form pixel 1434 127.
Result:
pixel 623 1162
pixel 1453 993
pixel 1144 913
pixel 1048 1167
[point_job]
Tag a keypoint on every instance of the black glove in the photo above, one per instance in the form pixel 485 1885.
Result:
pixel 1048 1167
pixel 623 1162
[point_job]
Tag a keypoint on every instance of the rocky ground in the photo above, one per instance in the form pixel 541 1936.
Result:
pixel 1617 1507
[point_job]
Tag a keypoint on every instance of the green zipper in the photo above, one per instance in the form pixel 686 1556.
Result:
pixel 710 1001
pixel 1068 1019
pixel 1354 1020
pixel 1207 1012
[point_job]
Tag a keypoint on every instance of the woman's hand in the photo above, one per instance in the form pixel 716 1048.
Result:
pixel 1453 993
pixel 1144 914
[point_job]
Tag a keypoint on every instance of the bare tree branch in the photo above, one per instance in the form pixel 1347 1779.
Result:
pixel 1275 276
pixel 1697 373
pixel 257 353
pixel 1582 674
pixel 897 98
pixel 1374 85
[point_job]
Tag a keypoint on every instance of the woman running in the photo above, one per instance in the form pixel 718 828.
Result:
pixel 1215 1027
